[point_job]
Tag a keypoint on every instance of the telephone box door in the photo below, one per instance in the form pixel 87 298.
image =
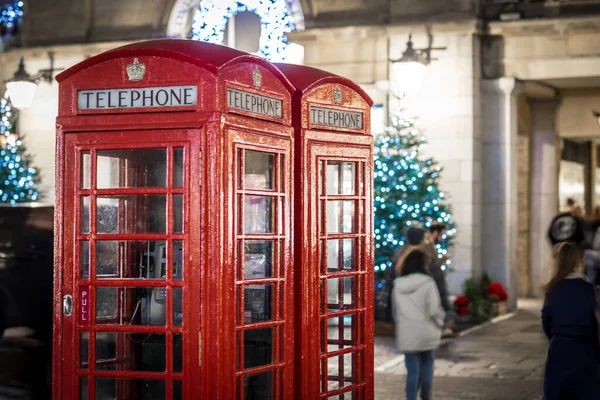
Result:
pixel 131 269
pixel 341 258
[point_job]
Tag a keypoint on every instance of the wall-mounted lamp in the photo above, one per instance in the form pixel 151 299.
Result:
pixel 21 87
pixel 597 116
pixel 409 69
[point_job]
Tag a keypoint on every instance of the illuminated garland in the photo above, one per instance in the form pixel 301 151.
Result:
pixel 211 19
pixel 11 14
pixel 18 181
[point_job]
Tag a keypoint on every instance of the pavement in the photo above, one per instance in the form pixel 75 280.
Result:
pixel 500 361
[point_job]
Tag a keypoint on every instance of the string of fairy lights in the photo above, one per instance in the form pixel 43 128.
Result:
pixel 406 191
pixel 211 19
pixel 10 14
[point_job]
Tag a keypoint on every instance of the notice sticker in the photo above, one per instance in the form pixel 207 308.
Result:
pixel 84 305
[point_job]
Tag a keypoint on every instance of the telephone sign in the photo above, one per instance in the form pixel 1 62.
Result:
pixel 166 96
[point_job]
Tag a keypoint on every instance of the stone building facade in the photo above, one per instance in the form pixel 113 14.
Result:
pixel 514 80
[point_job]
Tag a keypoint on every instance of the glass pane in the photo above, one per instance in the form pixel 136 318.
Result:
pixel 132 214
pixel 85 215
pixel 340 332
pixel 83 388
pixel 258 347
pixel 178 390
pixel 340 294
pixel 177 306
pixel 321 178
pixel 84 338
pixel 258 211
pixel 178 213
pixel 85 170
pixel 131 306
pixel 178 260
pixel 131 259
pixel 340 216
pixel 131 168
pixel 130 351
pixel 178 168
pixel 258 170
pixel 340 255
pixel 258 303
pixel 177 353
pixel 139 389
pixel 258 259
pixel 84 260
pixel 340 371
pixel 107 257
pixel 352 395
pixel 259 386
pixel 340 177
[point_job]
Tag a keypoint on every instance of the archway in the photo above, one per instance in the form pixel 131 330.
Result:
pixel 207 21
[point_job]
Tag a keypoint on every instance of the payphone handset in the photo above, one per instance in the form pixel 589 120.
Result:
pixel 157 301
pixel 151 302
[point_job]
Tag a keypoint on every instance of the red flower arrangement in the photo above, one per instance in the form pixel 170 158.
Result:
pixel 497 292
pixel 461 304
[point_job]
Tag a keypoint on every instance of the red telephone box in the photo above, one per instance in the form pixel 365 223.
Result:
pixel 334 200
pixel 176 272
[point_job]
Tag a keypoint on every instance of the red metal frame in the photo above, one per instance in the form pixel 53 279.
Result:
pixel 216 332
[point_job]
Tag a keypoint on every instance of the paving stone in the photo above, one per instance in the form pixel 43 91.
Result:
pixel 504 361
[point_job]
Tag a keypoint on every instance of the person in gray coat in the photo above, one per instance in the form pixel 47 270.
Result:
pixel 419 318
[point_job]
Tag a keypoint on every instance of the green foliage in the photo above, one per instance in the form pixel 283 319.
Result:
pixel 481 304
pixel 18 179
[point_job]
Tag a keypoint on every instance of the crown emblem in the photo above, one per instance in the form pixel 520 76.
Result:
pixel 136 70
pixel 337 96
pixel 256 78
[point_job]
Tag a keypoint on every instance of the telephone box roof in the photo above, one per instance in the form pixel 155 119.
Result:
pixel 305 78
pixel 206 55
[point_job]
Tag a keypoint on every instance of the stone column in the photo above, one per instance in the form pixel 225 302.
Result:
pixel 499 183
pixel 544 188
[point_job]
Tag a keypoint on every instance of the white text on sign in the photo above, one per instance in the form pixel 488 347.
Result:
pixel 254 103
pixel 150 97
pixel 336 118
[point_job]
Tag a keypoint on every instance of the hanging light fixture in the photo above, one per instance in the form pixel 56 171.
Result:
pixel 409 70
pixel 21 87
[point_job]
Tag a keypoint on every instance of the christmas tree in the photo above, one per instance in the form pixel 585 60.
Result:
pixel 18 179
pixel 406 191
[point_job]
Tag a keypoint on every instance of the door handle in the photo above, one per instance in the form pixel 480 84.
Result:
pixel 68 305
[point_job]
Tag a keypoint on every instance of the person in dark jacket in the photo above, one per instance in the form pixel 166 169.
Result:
pixel 568 227
pixel 435 235
pixel 414 237
pixel 569 322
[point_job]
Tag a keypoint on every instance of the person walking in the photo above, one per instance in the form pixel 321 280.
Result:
pixel 419 319
pixel 569 321
pixel 432 238
pixel 383 302
pixel 592 253
pixel 567 227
